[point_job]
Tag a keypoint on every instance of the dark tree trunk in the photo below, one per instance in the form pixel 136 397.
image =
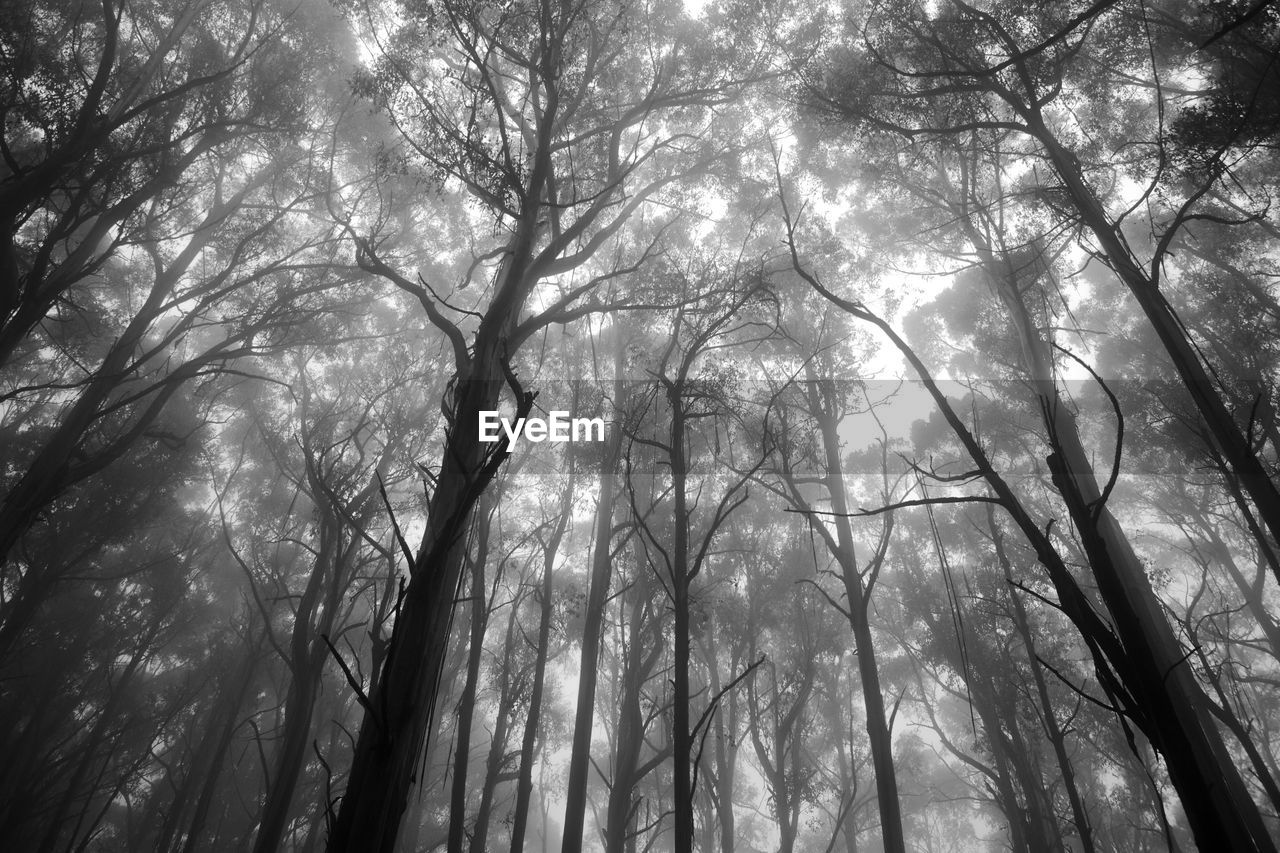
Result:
pixel 403 705
pixel 497 761
pixel 227 725
pixel 1171 707
pixel 726 750
pixel 203 766
pixel 336 553
pixel 90 749
pixel 394 733
pixel 1053 731
pixel 529 742
pixel 575 808
pixel 681 736
pixel 467 701
pixel 824 408
pixel 290 756
pixel 643 650
pixel 1230 440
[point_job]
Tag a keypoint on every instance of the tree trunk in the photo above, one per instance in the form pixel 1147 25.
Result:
pixel 228 723
pixel 726 750
pixel 291 754
pixel 467 702
pixel 681 737
pixel 575 808
pixel 1053 731
pixel 395 731
pixel 498 745
pixel 859 601
pixel 1231 442
pixel 644 648
pixel 308 653
pixel 97 736
pixel 396 726
pixel 1174 709
pixel 528 744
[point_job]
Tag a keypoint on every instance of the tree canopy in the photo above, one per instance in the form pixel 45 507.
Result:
pixel 926 360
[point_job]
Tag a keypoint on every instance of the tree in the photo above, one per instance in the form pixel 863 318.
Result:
pixel 519 86
pixel 826 403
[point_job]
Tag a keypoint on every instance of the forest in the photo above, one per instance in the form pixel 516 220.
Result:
pixel 928 495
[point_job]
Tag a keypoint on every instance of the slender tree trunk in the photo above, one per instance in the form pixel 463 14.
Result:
pixel 848 821
pixel 1007 797
pixel 89 748
pixel 291 754
pixel 467 702
pixel 227 725
pixel 593 619
pixel 859 601
pixel 1042 828
pixel 726 751
pixel 528 745
pixel 1053 731
pixel 225 705
pixel 681 739
pixel 644 648
pixel 196 768
pixel 306 669
pixel 498 745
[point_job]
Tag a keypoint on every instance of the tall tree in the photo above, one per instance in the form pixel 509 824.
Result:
pixel 524 91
